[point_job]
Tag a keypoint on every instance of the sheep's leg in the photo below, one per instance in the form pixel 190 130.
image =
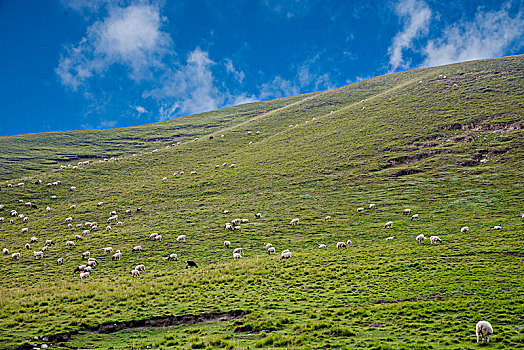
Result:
pixel 487 338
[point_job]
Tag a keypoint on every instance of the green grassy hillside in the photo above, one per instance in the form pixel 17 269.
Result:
pixel 446 142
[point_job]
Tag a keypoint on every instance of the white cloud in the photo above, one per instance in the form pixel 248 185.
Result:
pixel 416 16
pixel 278 87
pixel 139 109
pixel 128 36
pixel 238 75
pixel 491 34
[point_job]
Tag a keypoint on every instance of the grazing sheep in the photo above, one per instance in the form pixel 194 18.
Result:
pixel 158 238
pixel 26 219
pixel 320 246
pixel 135 273
pixel 227 244
pixel 193 173
pixel 138 248
pixel 360 210
pixel 348 243
pixel 86 232
pixel 70 244
pixel 2 207
pixel 152 236
pixel 78 238
pixel 217 166
pixel 27 246
pixel 108 228
pixel 228 226
pixel 39 255
pixel 92 262
pixel 420 238
pixel 69 219
pixel 286 254
pixel 435 239
pixel 238 228
pixel 294 221
pixel 72 207
pixel 15 256
pixel 112 218
pixel 86 255
pixel 483 329
pixel 127 212
pixel 267 245
pixel 20 216
pixel 497 227
pixel 119 223
pixel 225 211
pixel 406 211
pixel 34 240
pixel 372 206
pixel 60 261
pixel 84 275
pixel 244 221
pixel 258 215
pixel 271 250
pixel 172 257
pixel 70 226
pixel 139 209
pixel 116 256
pixel 107 250
pixel 1 219
pixel 389 224
pixel 190 263
pixel 390 238
pixel 72 188
pixel 49 242
pixel 182 172
pixel 45 248
pixel 24 230
pixel 140 268
pixel 464 229
pixel 327 218
pixel 237 256
pixel 80 268
pixel 5 251
pixel 112 212
pixel 88 268
pixel 236 221
pixel 238 250
pixel 414 217
pixel 100 204
pixel 181 238
pixel 341 245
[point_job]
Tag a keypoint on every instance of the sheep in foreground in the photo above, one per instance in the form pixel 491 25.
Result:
pixel 15 256
pixel 227 244
pixel 483 329
pixel 389 224
pixel 341 245
pixel 271 250
pixel 181 238
pixel 286 254
pixel 135 273
pixel 190 263
pixel 420 238
pixel 294 221
pixel 435 239
pixel 172 257
pixel 414 217
pixel 237 256
pixel 464 229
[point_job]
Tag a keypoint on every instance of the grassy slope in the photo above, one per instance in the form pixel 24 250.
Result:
pixel 393 294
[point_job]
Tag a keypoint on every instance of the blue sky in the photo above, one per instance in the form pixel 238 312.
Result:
pixel 84 64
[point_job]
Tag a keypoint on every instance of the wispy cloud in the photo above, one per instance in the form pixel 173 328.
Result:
pixel 238 75
pixel 489 35
pixel 416 17
pixel 139 109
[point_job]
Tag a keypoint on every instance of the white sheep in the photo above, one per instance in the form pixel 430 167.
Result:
pixel 238 228
pixel 72 207
pixel 271 250
pixel 116 256
pixel 70 226
pixel 112 212
pixel 414 217
pixel 327 218
pixel 406 211
pixel 483 329
pixel 244 221
pixel 420 238
pixel 60 261
pixel 236 221
pixel 27 246
pixel 497 227
pixel 78 238
pixel 164 179
pixel 127 212
pixel 70 244
pixel 267 245
pixel 86 255
pixel 181 238
pixel 258 215
pixel 108 228
pixel 39 255
pixel 107 250
pixel 24 230
pixel 135 273
pixel 360 210
pixel 45 248
pixel 172 257
pixel 72 188
pixel 88 269
pixel 286 254
pixel 238 250
pixel 294 221
pixel 138 248
pixel 193 173
pixel 152 236
pixel 86 232
pixel 390 238
pixel 320 246
pixel 158 238
pixel 435 239
pixel 34 240
pixel 389 224
pixel 227 244
pixel 15 256
pixel 140 268
pixel 341 245
pixel 233 165
pixel 348 243
pixel 26 219
pixel 69 219
pixel 464 229
pixel 5 251
pixel 100 204
pixel 84 275
pixel 237 256
pixel 49 242
pixel 372 206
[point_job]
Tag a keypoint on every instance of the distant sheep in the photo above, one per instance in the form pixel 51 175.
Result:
pixel 464 229
pixel 152 236
pixel 38 255
pixel 158 238
pixel 69 219
pixel 389 224
pixel 116 256
pixel 190 263
pixel 138 248
pixel 100 204
pixel 237 256
pixel 497 227
pixel 341 245
pixel 27 246
pixel 286 254
pixel 420 238
pixel 193 173
pixel 70 244
pixel 84 275
pixel 24 230
pixel 483 329
pixel 140 268
pixel 348 243
pixel 15 256
pixel 172 257
pixel 60 261
pixel 372 206
pixel 238 250
pixel 225 212
pixel 237 228
pixel 360 210
pixel 390 238
pixel 86 255
pixel 78 238
pixel 267 245
pixel 181 238
pixel 108 228
pixel 72 188
pixel 164 179
pixel 49 242
pixel 233 165
pixel 34 240
pixel 45 248
pixel 227 244
pixel 414 217
pixel 72 207
pixel 86 232
pixel 271 250
pixel 5 251
pixel 294 221
pixel 320 246
pixel 107 250
pixel 258 215
pixel 406 211
pixel 435 239
pixel 327 218
pixel 135 273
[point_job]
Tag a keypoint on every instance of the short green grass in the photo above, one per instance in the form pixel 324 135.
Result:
pixel 420 143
